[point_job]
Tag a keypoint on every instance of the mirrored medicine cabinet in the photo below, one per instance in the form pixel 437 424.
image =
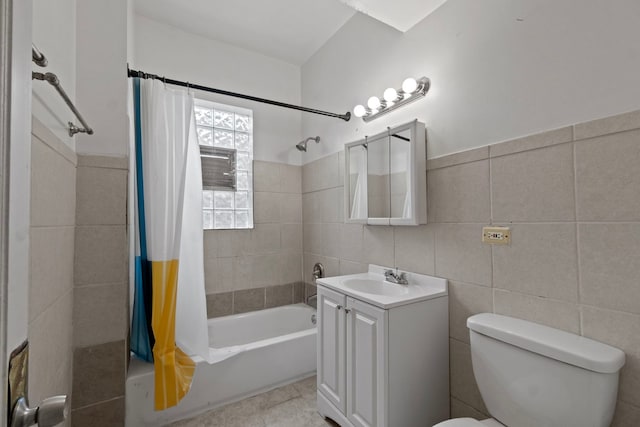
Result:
pixel 385 177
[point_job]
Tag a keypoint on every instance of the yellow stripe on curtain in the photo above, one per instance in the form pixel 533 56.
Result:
pixel 173 368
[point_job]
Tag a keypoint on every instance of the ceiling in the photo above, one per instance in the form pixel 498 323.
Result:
pixel 399 14
pixel 290 30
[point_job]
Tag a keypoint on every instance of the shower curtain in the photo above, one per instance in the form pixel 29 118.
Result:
pixel 169 322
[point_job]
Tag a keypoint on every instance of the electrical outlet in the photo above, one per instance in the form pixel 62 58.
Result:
pixel 496 235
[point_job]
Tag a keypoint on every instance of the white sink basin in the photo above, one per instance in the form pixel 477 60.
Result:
pixel 376 287
pixel 371 287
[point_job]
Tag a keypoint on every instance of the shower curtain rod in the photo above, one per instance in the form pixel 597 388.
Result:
pixel 143 75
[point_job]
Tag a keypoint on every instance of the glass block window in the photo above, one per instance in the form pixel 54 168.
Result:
pixel 224 130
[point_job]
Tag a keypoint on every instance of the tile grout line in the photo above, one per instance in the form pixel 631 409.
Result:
pixel 435 246
pixel 233 302
pixel 577 231
pixel 613 310
pixel 101 402
pixel 50 305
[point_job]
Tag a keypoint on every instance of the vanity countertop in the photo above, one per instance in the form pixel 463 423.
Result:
pixel 371 287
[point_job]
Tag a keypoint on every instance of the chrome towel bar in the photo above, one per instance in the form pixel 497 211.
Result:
pixel 39 59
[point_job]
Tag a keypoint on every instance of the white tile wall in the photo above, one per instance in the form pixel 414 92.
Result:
pixel 271 253
pixel 53 205
pixel 100 295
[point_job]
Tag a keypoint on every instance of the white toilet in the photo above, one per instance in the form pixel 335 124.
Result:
pixel 531 375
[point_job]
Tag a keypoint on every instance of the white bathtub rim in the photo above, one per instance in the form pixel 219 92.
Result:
pixel 264 310
pixel 217 355
pixel 244 334
pixel 139 367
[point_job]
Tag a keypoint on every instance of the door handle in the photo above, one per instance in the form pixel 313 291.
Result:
pixel 52 411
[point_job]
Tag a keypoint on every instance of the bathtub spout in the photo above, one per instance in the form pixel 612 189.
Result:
pixel 312 300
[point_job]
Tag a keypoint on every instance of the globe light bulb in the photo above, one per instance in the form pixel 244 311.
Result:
pixel 390 94
pixel 359 110
pixel 409 85
pixel 373 102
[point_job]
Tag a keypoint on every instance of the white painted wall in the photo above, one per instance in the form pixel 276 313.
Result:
pixel 101 76
pixel 499 69
pixel 54 33
pixel 165 50
pixel 86 45
pixel 131 16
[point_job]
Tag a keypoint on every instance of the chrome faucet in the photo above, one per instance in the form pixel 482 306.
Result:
pixel 394 277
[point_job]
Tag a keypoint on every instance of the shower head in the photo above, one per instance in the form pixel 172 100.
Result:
pixel 302 145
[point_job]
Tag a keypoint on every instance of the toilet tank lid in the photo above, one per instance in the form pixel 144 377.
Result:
pixel 550 342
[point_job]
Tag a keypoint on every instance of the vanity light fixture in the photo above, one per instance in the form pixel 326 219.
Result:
pixel 412 90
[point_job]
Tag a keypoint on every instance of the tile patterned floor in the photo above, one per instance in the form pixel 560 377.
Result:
pixel 293 405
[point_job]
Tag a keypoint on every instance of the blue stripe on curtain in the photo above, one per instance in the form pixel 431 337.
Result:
pixel 142 339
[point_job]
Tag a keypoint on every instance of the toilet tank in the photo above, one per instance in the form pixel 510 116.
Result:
pixel 532 375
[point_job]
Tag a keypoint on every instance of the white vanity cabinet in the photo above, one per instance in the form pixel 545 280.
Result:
pixel 382 367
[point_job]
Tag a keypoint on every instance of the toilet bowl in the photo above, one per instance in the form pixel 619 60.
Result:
pixel 530 375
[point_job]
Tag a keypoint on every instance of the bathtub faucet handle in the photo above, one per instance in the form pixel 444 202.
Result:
pixel 318 271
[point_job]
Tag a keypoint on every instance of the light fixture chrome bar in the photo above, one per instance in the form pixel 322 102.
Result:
pixel 38 57
pixel 55 82
pixel 421 90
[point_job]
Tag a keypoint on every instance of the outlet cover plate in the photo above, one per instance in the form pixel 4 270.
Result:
pixel 496 235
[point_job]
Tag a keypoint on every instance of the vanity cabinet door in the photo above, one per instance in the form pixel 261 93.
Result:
pixel 331 346
pixel 366 364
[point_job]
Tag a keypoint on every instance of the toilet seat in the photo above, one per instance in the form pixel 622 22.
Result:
pixel 469 422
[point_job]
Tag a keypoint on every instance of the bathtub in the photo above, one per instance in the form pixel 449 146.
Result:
pixel 256 352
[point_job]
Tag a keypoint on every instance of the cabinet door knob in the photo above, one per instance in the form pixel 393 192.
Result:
pixel 346 310
pixel 339 307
